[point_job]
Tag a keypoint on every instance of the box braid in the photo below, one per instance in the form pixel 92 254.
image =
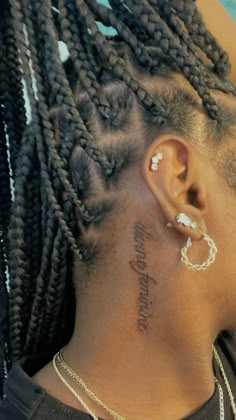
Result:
pixel 189 14
pixel 117 64
pixel 62 89
pixel 49 259
pixel 36 323
pixel 5 195
pixel 65 175
pixel 73 39
pixel 12 98
pixel 173 50
pixel 107 16
pixel 122 13
pixel 168 12
pixel 86 15
pixel 90 51
pixel 12 122
pixel 18 227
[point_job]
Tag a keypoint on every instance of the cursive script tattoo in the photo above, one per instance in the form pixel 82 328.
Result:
pixel 139 266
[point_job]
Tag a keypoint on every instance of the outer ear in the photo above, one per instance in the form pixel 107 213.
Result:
pixel 179 184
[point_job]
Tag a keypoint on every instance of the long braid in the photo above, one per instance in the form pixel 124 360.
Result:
pixel 188 12
pixel 13 104
pixel 108 17
pixel 63 93
pixel 4 220
pixel 5 205
pixel 36 321
pixel 173 50
pixel 117 65
pixel 123 14
pixel 165 9
pixel 72 37
pixel 56 288
pixel 16 90
pixel 67 171
pixel 44 113
pixel 17 235
pixel 90 51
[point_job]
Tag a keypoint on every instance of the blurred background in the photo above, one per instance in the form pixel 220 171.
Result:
pixel 230 5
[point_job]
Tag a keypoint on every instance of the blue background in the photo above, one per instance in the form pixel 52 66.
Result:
pixel 230 5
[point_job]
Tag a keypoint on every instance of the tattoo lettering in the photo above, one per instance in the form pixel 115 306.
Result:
pixel 139 266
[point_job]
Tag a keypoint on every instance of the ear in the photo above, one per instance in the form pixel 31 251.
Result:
pixel 179 184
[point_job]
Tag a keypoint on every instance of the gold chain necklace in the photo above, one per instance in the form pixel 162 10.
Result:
pixel 72 374
pixel 226 381
pixel 76 395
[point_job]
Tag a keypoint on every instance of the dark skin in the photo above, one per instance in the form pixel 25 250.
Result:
pixel 165 371
pixel 188 310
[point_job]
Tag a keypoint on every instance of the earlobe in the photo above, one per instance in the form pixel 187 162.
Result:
pixel 173 172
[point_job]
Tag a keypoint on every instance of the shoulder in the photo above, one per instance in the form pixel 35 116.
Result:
pixel 226 343
pixel 9 412
pixel 22 396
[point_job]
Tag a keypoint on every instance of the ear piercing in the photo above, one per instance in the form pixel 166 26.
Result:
pixel 183 219
pixel 156 160
pixel 186 221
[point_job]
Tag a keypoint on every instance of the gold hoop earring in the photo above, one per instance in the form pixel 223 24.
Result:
pixel 186 221
pixel 206 264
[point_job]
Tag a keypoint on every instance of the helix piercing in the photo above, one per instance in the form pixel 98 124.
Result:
pixel 156 160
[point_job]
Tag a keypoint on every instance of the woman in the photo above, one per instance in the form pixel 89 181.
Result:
pixel 122 235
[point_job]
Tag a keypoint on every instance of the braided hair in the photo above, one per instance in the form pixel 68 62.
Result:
pixel 66 154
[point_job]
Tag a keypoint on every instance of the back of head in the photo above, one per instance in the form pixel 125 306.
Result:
pixel 90 120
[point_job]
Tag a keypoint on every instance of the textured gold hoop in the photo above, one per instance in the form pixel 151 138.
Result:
pixel 208 262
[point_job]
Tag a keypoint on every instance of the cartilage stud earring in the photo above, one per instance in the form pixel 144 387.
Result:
pixel 156 160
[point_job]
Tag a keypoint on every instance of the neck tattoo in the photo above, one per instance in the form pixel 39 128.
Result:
pixel 139 266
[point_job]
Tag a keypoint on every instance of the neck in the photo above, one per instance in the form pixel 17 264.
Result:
pixel 163 372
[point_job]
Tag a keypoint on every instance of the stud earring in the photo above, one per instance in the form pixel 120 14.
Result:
pixel 186 221
pixel 156 160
